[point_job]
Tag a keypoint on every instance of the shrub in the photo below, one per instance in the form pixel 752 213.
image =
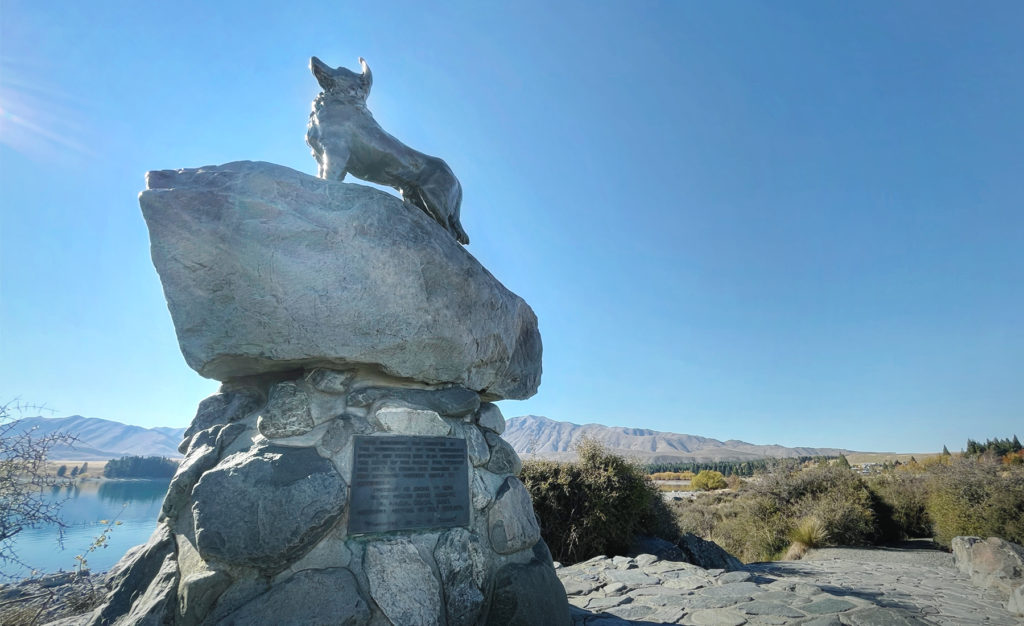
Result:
pixel 753 529
pixel 707 480
pixel 976 497
pixel 899 502
pixel 809 532
pixel 595 505
pixel 23 478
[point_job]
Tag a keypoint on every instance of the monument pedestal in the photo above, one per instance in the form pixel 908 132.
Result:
pixel 337 498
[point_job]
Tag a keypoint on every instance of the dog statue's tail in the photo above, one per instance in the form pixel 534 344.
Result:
pixel 456 229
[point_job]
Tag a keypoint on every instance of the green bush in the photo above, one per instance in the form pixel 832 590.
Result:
pixel 708 480
pixel 976 497
pixel 822 505
pixel 753 529
pixel 810 531
pixel 899 501
pixel 596 505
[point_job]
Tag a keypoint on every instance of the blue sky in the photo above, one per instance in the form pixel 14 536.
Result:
pixel 782 222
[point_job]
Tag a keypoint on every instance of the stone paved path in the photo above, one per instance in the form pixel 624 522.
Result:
pixel 853 587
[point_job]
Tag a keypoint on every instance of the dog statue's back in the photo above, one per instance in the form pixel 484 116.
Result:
pixel 345 139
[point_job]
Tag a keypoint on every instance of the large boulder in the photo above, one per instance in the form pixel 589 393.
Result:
pixel 269 269
pixel 994 564
pixel 265 506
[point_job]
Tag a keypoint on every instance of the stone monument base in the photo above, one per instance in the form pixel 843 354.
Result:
pixel 341 497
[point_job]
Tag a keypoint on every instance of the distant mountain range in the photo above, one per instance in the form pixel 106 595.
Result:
pixel 100 439
pixel 533 436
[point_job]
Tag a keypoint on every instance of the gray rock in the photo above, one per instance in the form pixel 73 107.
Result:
pixel 412 422
pixel 632 611
pixel 504 459
pixel 879 616
pixel 341 429
pixel 484 487
pixel 634 578
pixel 476 445
pixel 775 609
pixel 992 563
pixel 156 605
pixel 511 522
pixel 460 560
pixel 287 412
pixel 580 587
pixel 203 453
pixel 734 577
pixel 329 381
pixel 268 269
pixel 1015 603
pixel 266 506
pixel 644 560
pixel 527 595
pixel 732 590
pixel 402 583
pixel 320 597
pixel 603 604
pixel 717 617
pixel 664 550
pixel 134 574
pixel 221 408
pixel 706 554
pixel 197 593
pixel 489 416
pixel 450 402
pixel 827 605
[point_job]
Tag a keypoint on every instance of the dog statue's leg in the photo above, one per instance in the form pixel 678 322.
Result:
pixel 334 164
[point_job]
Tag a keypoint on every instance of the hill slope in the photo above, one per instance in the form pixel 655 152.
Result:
pixel 535 436
pixel 100 439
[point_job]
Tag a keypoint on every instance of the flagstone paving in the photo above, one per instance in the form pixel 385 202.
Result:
pixel 833 587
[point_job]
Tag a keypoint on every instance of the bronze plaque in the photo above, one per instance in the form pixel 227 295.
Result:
pixel 408 483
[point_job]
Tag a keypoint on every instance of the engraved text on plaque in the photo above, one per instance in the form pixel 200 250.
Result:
pixel 404 483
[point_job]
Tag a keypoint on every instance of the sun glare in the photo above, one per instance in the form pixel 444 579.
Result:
pixel 38 121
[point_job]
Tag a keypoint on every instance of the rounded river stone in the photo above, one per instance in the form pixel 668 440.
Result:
pixel 266 506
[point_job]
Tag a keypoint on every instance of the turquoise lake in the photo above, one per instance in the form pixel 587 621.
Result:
pixel 134 503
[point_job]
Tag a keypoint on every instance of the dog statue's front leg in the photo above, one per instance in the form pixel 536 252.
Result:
pixel 333 162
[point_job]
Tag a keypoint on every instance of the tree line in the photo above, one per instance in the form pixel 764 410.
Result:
pixel 733 468
pixel 999 447
pixel 140 467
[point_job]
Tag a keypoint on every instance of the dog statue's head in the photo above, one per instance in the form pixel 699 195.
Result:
pixel 341 81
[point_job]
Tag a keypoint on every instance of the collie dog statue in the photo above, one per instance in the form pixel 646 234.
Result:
pixel 347 140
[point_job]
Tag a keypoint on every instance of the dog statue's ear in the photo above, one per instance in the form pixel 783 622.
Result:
pixel 367 75
pixel 322 73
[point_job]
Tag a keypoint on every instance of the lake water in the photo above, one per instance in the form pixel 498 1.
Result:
pixel 134 503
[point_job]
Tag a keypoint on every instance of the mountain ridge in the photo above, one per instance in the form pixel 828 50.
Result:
pixel 531 436
pixel 535 436
pixel 102 439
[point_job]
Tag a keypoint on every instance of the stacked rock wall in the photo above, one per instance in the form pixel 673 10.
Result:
pixel 255 525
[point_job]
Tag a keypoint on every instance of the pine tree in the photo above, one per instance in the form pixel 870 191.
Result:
pixel 945 451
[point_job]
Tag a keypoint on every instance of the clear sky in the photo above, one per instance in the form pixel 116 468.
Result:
pixel 783 222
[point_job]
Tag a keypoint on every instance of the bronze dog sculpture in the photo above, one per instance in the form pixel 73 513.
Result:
pixel 346 139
